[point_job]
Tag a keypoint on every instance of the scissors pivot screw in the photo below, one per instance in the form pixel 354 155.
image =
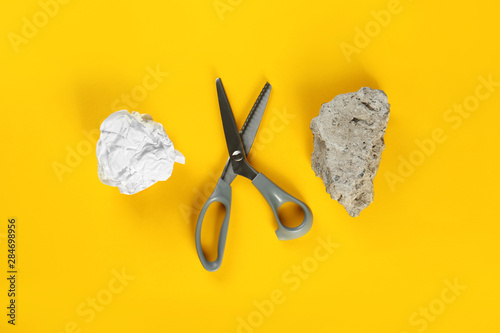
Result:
pixel 237 156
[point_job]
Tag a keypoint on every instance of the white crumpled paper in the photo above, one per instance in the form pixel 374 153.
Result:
pixel 134 152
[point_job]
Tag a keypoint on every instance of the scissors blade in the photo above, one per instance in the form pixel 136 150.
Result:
pixel 251 125
pixel 249 130
pixel 233 139
pixel 228 174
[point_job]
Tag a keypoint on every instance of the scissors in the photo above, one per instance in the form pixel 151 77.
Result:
pixel 238 145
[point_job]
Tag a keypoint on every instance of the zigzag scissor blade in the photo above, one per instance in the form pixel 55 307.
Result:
pixel 249 129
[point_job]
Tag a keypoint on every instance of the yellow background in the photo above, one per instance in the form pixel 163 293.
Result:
pixel 437 226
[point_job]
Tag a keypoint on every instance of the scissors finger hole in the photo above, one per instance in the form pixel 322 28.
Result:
pixel 291 215
pixel 210 229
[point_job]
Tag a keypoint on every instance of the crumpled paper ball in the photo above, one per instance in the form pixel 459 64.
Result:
pixel 134 152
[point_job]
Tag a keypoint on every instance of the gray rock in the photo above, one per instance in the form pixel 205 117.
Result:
pixel 348 143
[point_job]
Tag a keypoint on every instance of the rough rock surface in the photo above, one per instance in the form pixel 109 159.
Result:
pixel 348 143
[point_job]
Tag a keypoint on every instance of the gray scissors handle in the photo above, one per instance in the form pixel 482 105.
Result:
pixel 276 197
pixel 221 194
